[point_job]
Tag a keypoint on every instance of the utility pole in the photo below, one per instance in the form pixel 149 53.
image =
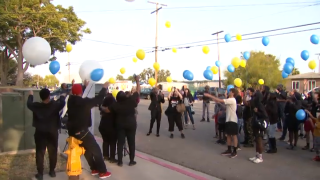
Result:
pixel 156 47
pixel 217 33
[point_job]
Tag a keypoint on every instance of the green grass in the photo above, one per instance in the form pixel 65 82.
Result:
pixel 23 166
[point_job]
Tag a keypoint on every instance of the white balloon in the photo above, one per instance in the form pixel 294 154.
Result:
pixel 36 51
pixel 87 67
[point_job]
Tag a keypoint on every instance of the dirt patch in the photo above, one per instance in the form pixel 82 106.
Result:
pixel 23 166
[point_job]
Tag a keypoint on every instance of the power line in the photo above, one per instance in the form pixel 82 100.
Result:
pixel 175 8
pixel 114 43
pixel 187 47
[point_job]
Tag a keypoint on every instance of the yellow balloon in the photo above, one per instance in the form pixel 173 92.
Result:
pixel 122 70
pixel 261 81
pixel 134 59
pixel 169 89
pixel 169 79
pixel 312 64
pixel 156 66
pixel 239 37
pixel 168 24
pixel 236 62
pixel 214 69
pixel 114 93
pixel 237 82
pixel 152 81
pixel 174 50
pixel 68 48
pixel 205 49
pixel 243 63
pixel 141 54
pixel 112 80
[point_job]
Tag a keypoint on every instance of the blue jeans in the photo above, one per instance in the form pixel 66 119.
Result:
pixel 240 125
pixel 186 112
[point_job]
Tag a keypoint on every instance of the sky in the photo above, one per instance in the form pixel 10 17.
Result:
pixel 131 26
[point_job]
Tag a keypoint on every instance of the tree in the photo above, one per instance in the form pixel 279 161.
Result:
pixel 148 73
pixel 295 71
pixel 119 77
pixel 8 68
pixel 27 79
pixel 130 78
pixel 259 66
pixel 20 20
pixel 51 80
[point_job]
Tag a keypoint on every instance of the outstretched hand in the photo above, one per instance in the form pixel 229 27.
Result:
pixel 106 84
pixel 206 94
pixel 137 78
pixel 31 92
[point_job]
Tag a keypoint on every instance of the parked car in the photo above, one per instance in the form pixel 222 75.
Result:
pixel 215 91
pixel 145 93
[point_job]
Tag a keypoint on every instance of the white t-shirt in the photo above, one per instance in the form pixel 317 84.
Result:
pixel 231 110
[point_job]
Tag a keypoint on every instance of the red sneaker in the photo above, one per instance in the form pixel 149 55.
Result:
pixel 317 158
pixel 104 175
pixel 94 172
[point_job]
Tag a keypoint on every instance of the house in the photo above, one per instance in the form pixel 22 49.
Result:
pixel 297 81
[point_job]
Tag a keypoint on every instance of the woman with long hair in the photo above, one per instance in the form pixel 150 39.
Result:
pixel 108 131
pixel 124 111
pixel 188 102
pixel 174 117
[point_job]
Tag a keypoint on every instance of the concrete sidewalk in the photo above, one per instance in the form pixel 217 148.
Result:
pixel 148 167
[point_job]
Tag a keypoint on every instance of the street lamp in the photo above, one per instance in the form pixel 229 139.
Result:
pixel 217 33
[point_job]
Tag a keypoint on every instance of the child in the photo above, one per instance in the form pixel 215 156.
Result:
pixel 221 121
pixel 316 135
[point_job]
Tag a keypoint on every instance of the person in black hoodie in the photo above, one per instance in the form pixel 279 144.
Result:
pixel 294 103
pixel 46 120
pixel 79 114
pixel 108 131
pixel 155 108
pixel 259 125
pixel 126 123
pixel 247 116
pixel 281 98
pixel 272 110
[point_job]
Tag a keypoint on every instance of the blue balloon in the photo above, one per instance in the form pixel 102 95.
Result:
pixel 246 55
pixel 97 74
pixel 265 40
pixel 284 75
pixel 189 75
pixel 227 37
pixel 301 115
pixel 287 68
pixel 305 55
pixel 314 39
pixel 54 67
pixel 229 87
pixel 230 68
pixel 290 60
pixel 208 68
pixel 184 73
pixel 208 74
pixel 218 63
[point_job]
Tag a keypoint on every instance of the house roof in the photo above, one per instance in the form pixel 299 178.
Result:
pixel 310 75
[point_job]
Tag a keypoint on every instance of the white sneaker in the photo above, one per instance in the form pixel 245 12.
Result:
pixel 258 160
pixel 253 158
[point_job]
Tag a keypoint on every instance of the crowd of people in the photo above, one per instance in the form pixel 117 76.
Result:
pixel 118 124
pixel 260 113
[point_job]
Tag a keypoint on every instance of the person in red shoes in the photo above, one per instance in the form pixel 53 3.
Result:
pixel 79 114
pixel 316 135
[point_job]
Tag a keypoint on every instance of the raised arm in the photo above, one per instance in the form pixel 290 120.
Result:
pixel 30 101
pixel 138 89
pixel 213 98
pixel 92 102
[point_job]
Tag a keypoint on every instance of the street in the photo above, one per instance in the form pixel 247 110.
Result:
pixel 199 151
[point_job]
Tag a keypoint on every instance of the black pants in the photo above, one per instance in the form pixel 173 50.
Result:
pixel 109 137
pixel 93 153
pixel 43 141
pixel 128 132
pixel 248 131
pixel 175 118
pixel 155 116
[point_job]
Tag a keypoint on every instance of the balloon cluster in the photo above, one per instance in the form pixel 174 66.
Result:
pixel 188 75
pixel 91 70
pixel 288 67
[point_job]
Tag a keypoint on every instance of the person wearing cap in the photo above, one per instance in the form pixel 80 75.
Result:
pixel 46 120
pixel 79 114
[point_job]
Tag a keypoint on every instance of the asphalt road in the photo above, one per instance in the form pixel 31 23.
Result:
pixel 198 151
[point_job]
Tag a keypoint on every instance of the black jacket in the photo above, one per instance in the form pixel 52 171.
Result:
pixel 46 117
pixel 79 111
pixel 155 104
pixel 107 119
pixel 261 113
pixel 292 107
pixel 272 110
